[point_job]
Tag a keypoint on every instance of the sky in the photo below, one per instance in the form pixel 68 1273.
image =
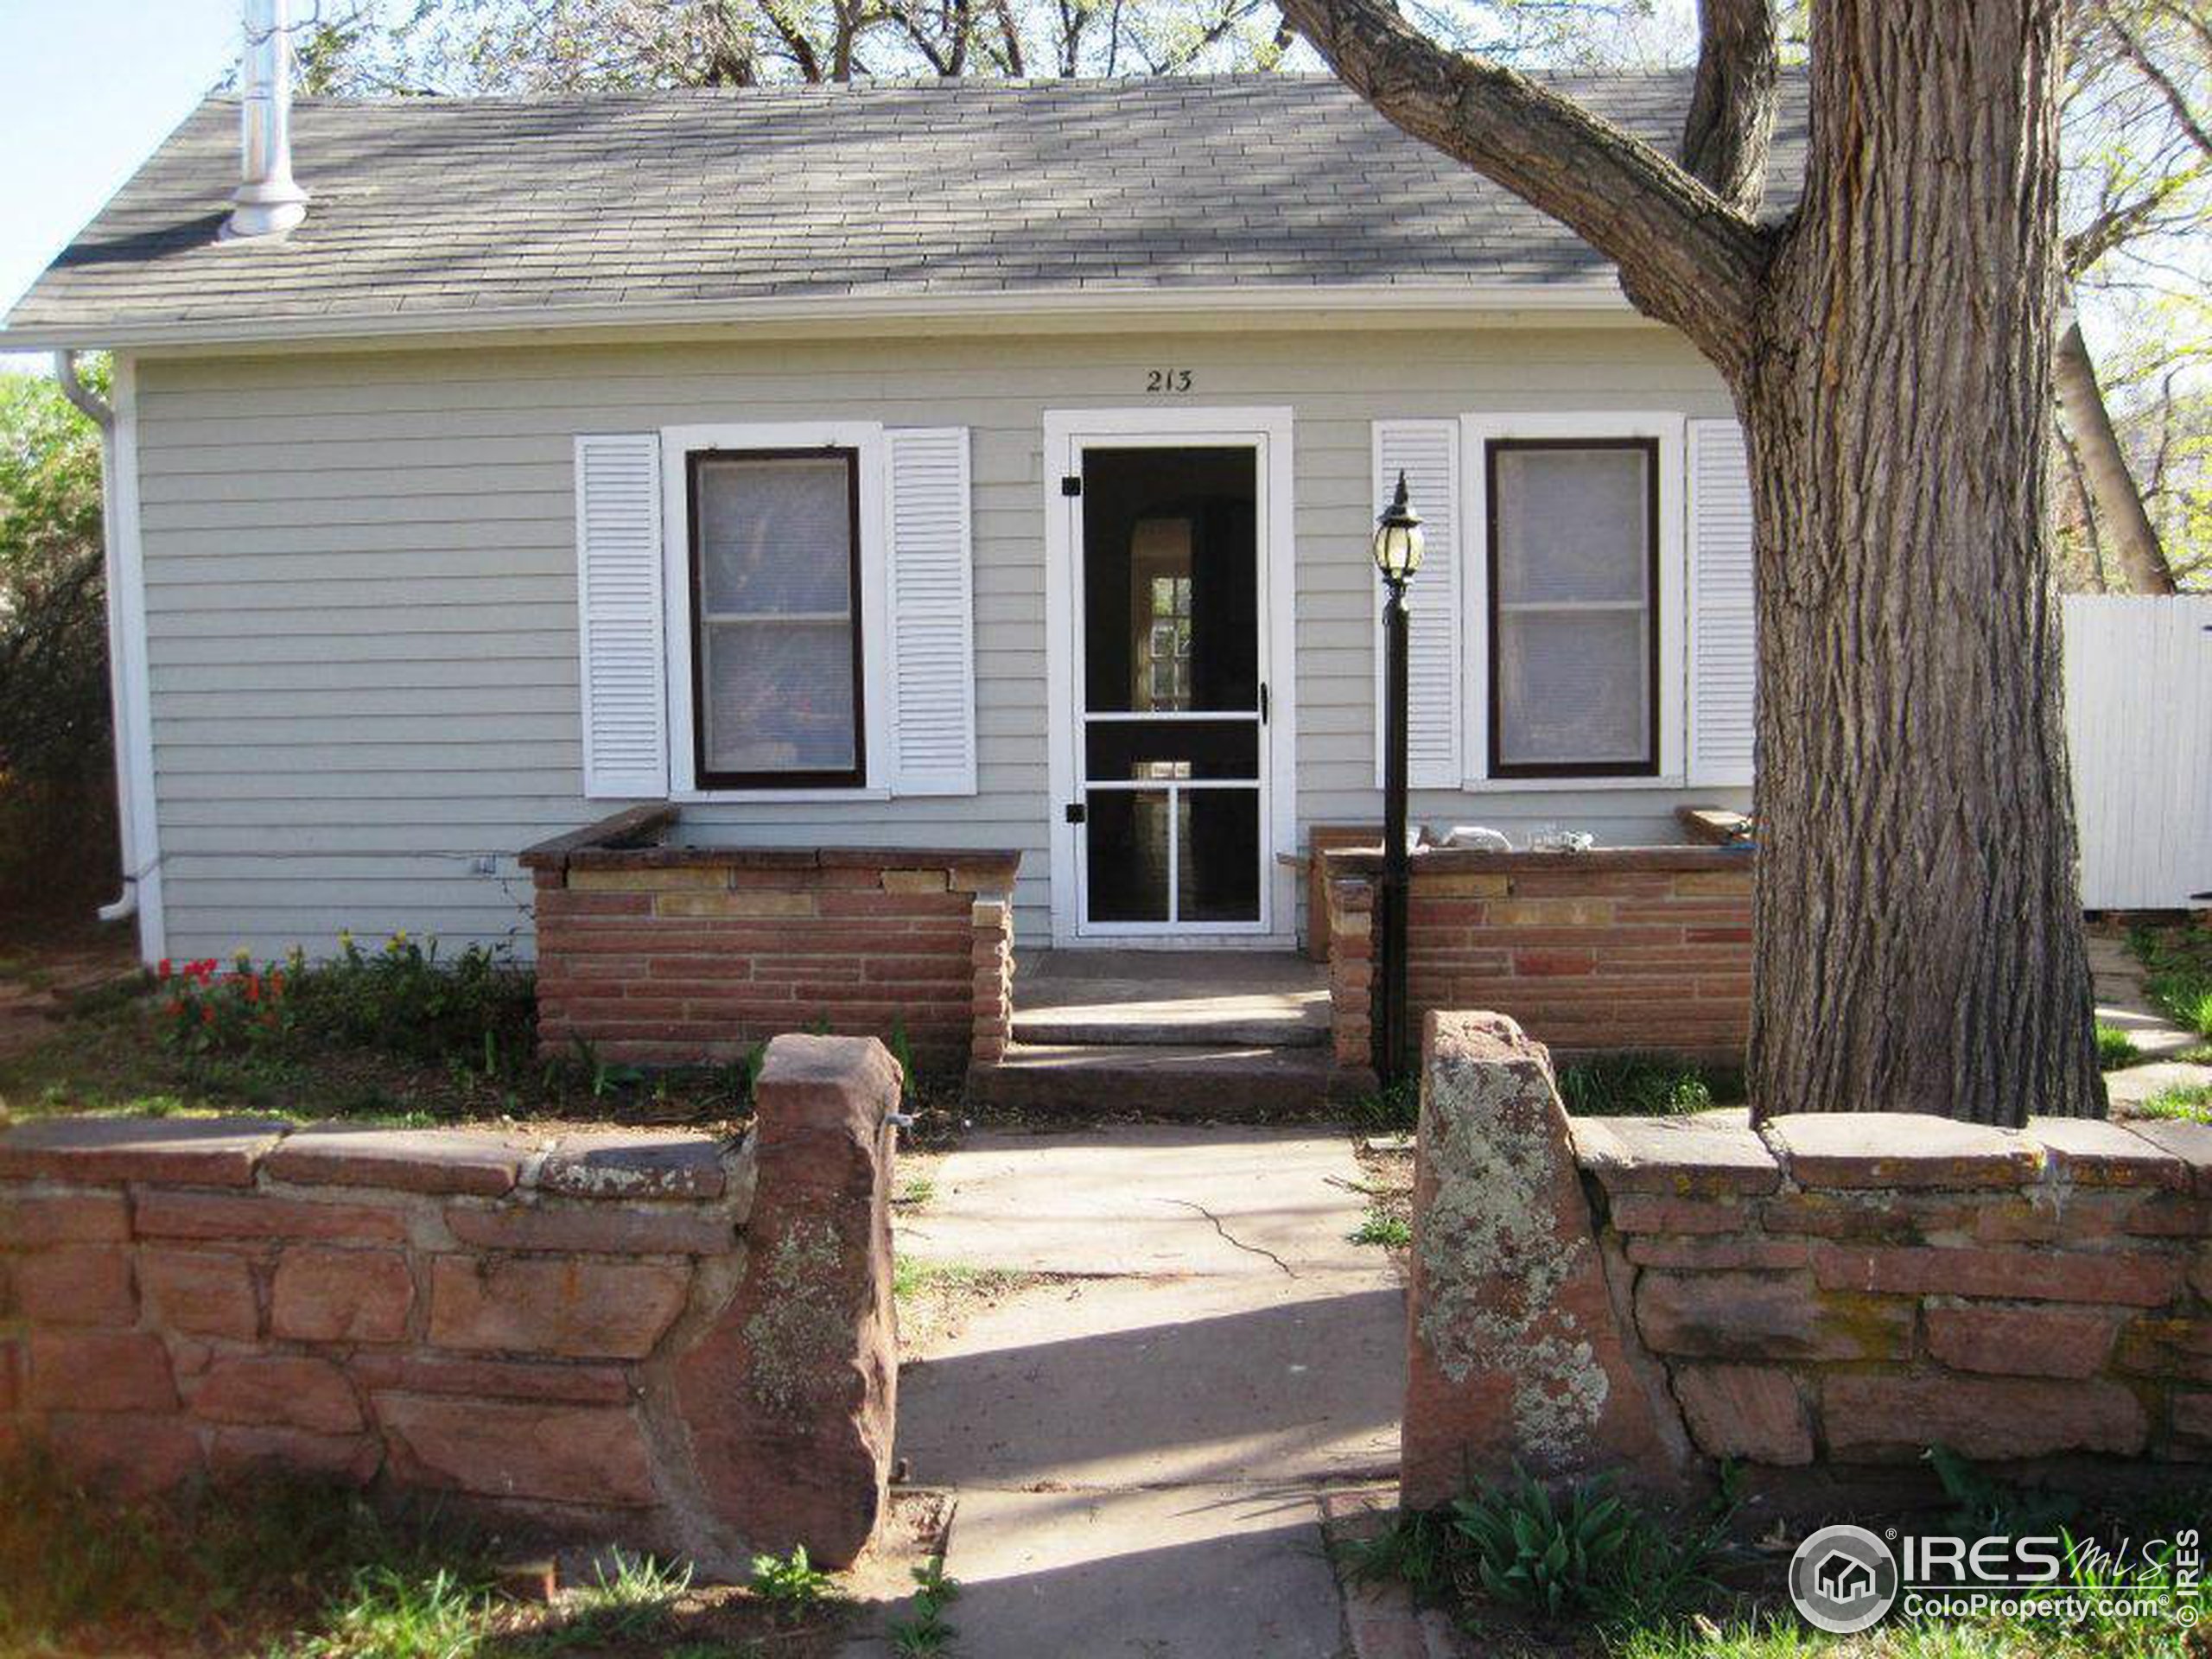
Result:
pixel 88 89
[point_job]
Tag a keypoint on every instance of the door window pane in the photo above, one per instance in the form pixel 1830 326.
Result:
pixel 1140 749
pixel 1126 867
pixel 1218 844
pixel 777 625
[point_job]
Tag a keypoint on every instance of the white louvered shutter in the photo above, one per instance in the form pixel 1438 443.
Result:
pixel 619 616
pixel 932 612
pixel 1723 662
pixel 1428 452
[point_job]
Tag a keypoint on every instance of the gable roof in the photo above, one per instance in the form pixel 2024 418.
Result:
pixel 433 215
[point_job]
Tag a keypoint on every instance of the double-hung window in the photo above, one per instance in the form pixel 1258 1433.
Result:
pixel 1573 615
pixel 778 685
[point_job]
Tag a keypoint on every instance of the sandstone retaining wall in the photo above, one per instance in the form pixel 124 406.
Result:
pixel 655 1336
pixel 1834 1293
pixel 668 954
pixel 1608 951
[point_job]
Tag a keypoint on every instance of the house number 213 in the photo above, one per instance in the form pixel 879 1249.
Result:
pixel 1168 380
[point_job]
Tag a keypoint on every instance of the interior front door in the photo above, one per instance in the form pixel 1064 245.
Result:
pixel 1172 692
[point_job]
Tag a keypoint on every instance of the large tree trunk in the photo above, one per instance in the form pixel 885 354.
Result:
pixel 2119 503
pixel 1917 927
pixel 1916 911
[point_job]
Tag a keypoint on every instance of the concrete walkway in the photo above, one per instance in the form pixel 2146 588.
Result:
pixel 1138 1442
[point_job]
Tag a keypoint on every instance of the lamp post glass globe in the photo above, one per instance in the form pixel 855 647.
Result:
pixel 1398 538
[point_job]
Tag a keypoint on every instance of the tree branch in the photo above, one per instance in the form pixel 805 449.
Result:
pixel 2137 53
pixel 1731 125
pixel 1685 257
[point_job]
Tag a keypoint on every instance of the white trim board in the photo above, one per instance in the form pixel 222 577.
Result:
pixel 1268 430
pixel 135 718
pixel 1594 300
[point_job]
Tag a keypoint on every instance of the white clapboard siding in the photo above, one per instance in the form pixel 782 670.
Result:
pixel 1724 668
pixel 932 611
pixel 1428 452
pixel 624 673
pixel 2138 727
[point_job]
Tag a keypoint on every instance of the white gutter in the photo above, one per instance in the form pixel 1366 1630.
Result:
pixel 129 692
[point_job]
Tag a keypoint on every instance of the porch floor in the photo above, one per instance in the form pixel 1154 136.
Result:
pixel 1151 998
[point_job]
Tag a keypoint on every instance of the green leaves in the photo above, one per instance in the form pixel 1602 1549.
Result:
pixel 1552 1555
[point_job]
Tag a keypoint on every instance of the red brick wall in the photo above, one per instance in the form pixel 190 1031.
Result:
pixel 663 955
pixel 1606 951
pixel 563 1325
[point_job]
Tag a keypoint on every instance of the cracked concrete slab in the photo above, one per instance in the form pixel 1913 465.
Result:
pixel 1123 1382
pixel 1137 1444
pixel 1142 1199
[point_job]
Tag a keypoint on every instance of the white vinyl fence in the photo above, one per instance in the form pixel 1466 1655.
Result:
pixel 2139 723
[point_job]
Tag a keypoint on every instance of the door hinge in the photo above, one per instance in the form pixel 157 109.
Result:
pixel 1071 485
pixel 1263 703
pixel 1075 811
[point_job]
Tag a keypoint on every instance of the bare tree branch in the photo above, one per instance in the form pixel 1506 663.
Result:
pixel 2131 44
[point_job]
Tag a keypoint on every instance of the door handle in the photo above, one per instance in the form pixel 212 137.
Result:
pixel 1263 703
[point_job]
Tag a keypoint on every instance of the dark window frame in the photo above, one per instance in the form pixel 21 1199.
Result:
pixel 702 776
pixel 1649 447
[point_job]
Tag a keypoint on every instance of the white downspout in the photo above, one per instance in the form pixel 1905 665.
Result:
pixel 125 904
pixel 268 201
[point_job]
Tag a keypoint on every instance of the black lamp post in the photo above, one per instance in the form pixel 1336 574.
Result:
pixel 1398 556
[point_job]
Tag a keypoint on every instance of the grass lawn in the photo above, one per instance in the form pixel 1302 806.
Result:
pixel 299 1572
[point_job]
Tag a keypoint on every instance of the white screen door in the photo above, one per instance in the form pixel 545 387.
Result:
pixel 1171 691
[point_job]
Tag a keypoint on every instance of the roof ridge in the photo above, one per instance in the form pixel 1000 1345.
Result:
pixel 949 85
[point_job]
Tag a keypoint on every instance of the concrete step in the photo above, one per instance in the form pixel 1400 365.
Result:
pixel 1224 1081
pixel 1223 1024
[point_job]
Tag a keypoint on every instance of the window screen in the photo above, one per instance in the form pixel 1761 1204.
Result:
pixel 776 624
pixel 1574 549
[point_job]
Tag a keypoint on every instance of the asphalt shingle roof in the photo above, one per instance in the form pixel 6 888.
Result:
pixel 430 212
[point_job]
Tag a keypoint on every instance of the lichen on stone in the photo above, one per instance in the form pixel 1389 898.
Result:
pixel 1493 1256
pixel 804 1329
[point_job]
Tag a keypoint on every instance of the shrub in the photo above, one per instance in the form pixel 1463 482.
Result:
pixel 477 1009
pixel 1644 1085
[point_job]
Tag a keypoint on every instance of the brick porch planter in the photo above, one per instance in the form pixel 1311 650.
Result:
pixel 653 952
pixel 1616 949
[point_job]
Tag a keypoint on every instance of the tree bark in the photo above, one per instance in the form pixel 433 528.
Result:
pixel 2119 503
pixel 1917 928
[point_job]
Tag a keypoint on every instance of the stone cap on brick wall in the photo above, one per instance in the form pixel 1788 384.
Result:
pixel 1600 861
pixel 636 826
pixel 1711 1154
pixel 628 1165
pixel 637 839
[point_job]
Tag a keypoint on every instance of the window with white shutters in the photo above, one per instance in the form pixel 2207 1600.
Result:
pixel 1573 605
pixel 768 609
pixel 778 677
